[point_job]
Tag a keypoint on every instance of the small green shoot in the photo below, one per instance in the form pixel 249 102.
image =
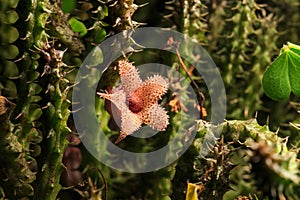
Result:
pixel 77 26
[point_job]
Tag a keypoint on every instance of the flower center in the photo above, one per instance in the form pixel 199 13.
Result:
pixel 135 103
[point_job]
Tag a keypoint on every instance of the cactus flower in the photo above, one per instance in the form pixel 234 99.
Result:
pixel 137 100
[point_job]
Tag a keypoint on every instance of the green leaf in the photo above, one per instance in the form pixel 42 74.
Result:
pixel 77 26
pixel 103 11
pixel 35 135
pixel 34 99
pixel 95 57
pixel 68 6
pixel 295 48
pixel 283 76
pixel 42 20
pixel 100 34
pixel 10 89
pixel 34 88
pixel 11 17
pixel 276 79
pixel 294 72
pixel 10 69
pixel 34 113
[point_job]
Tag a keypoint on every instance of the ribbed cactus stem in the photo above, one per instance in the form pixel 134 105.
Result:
pixel 56 113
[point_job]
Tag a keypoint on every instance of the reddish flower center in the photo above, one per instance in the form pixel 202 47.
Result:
pixel 135 104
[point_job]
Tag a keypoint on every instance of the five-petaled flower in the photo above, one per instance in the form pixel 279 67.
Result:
pixel 137 100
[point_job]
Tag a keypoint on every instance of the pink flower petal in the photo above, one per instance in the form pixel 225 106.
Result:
pixel 118 98
pixel 158 118
pixel 130 122
pixel 130 78
pixel 150 92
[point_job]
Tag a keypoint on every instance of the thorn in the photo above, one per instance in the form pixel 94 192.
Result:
pixel 142 5
pixel 168 16
pixel 105 96
pixel 19 115
pixel 134 42
pixel 255 116
pixel 170 2
pixel 169 7
pixel 118 20
pixel 137 24
pixel 74 111
pixel 21 58
pixel 103 2
pixel 115 3
pixel 15 77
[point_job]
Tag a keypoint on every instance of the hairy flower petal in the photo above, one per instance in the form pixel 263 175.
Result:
pixel 157 117
pixel 118 98
pixel 130 122
pixel 130 78
pixel 151 91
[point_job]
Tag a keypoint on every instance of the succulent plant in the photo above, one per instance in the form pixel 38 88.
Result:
pixel 44 43
pixel 249 160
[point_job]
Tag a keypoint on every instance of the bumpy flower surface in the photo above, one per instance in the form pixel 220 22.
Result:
pixel 137 100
